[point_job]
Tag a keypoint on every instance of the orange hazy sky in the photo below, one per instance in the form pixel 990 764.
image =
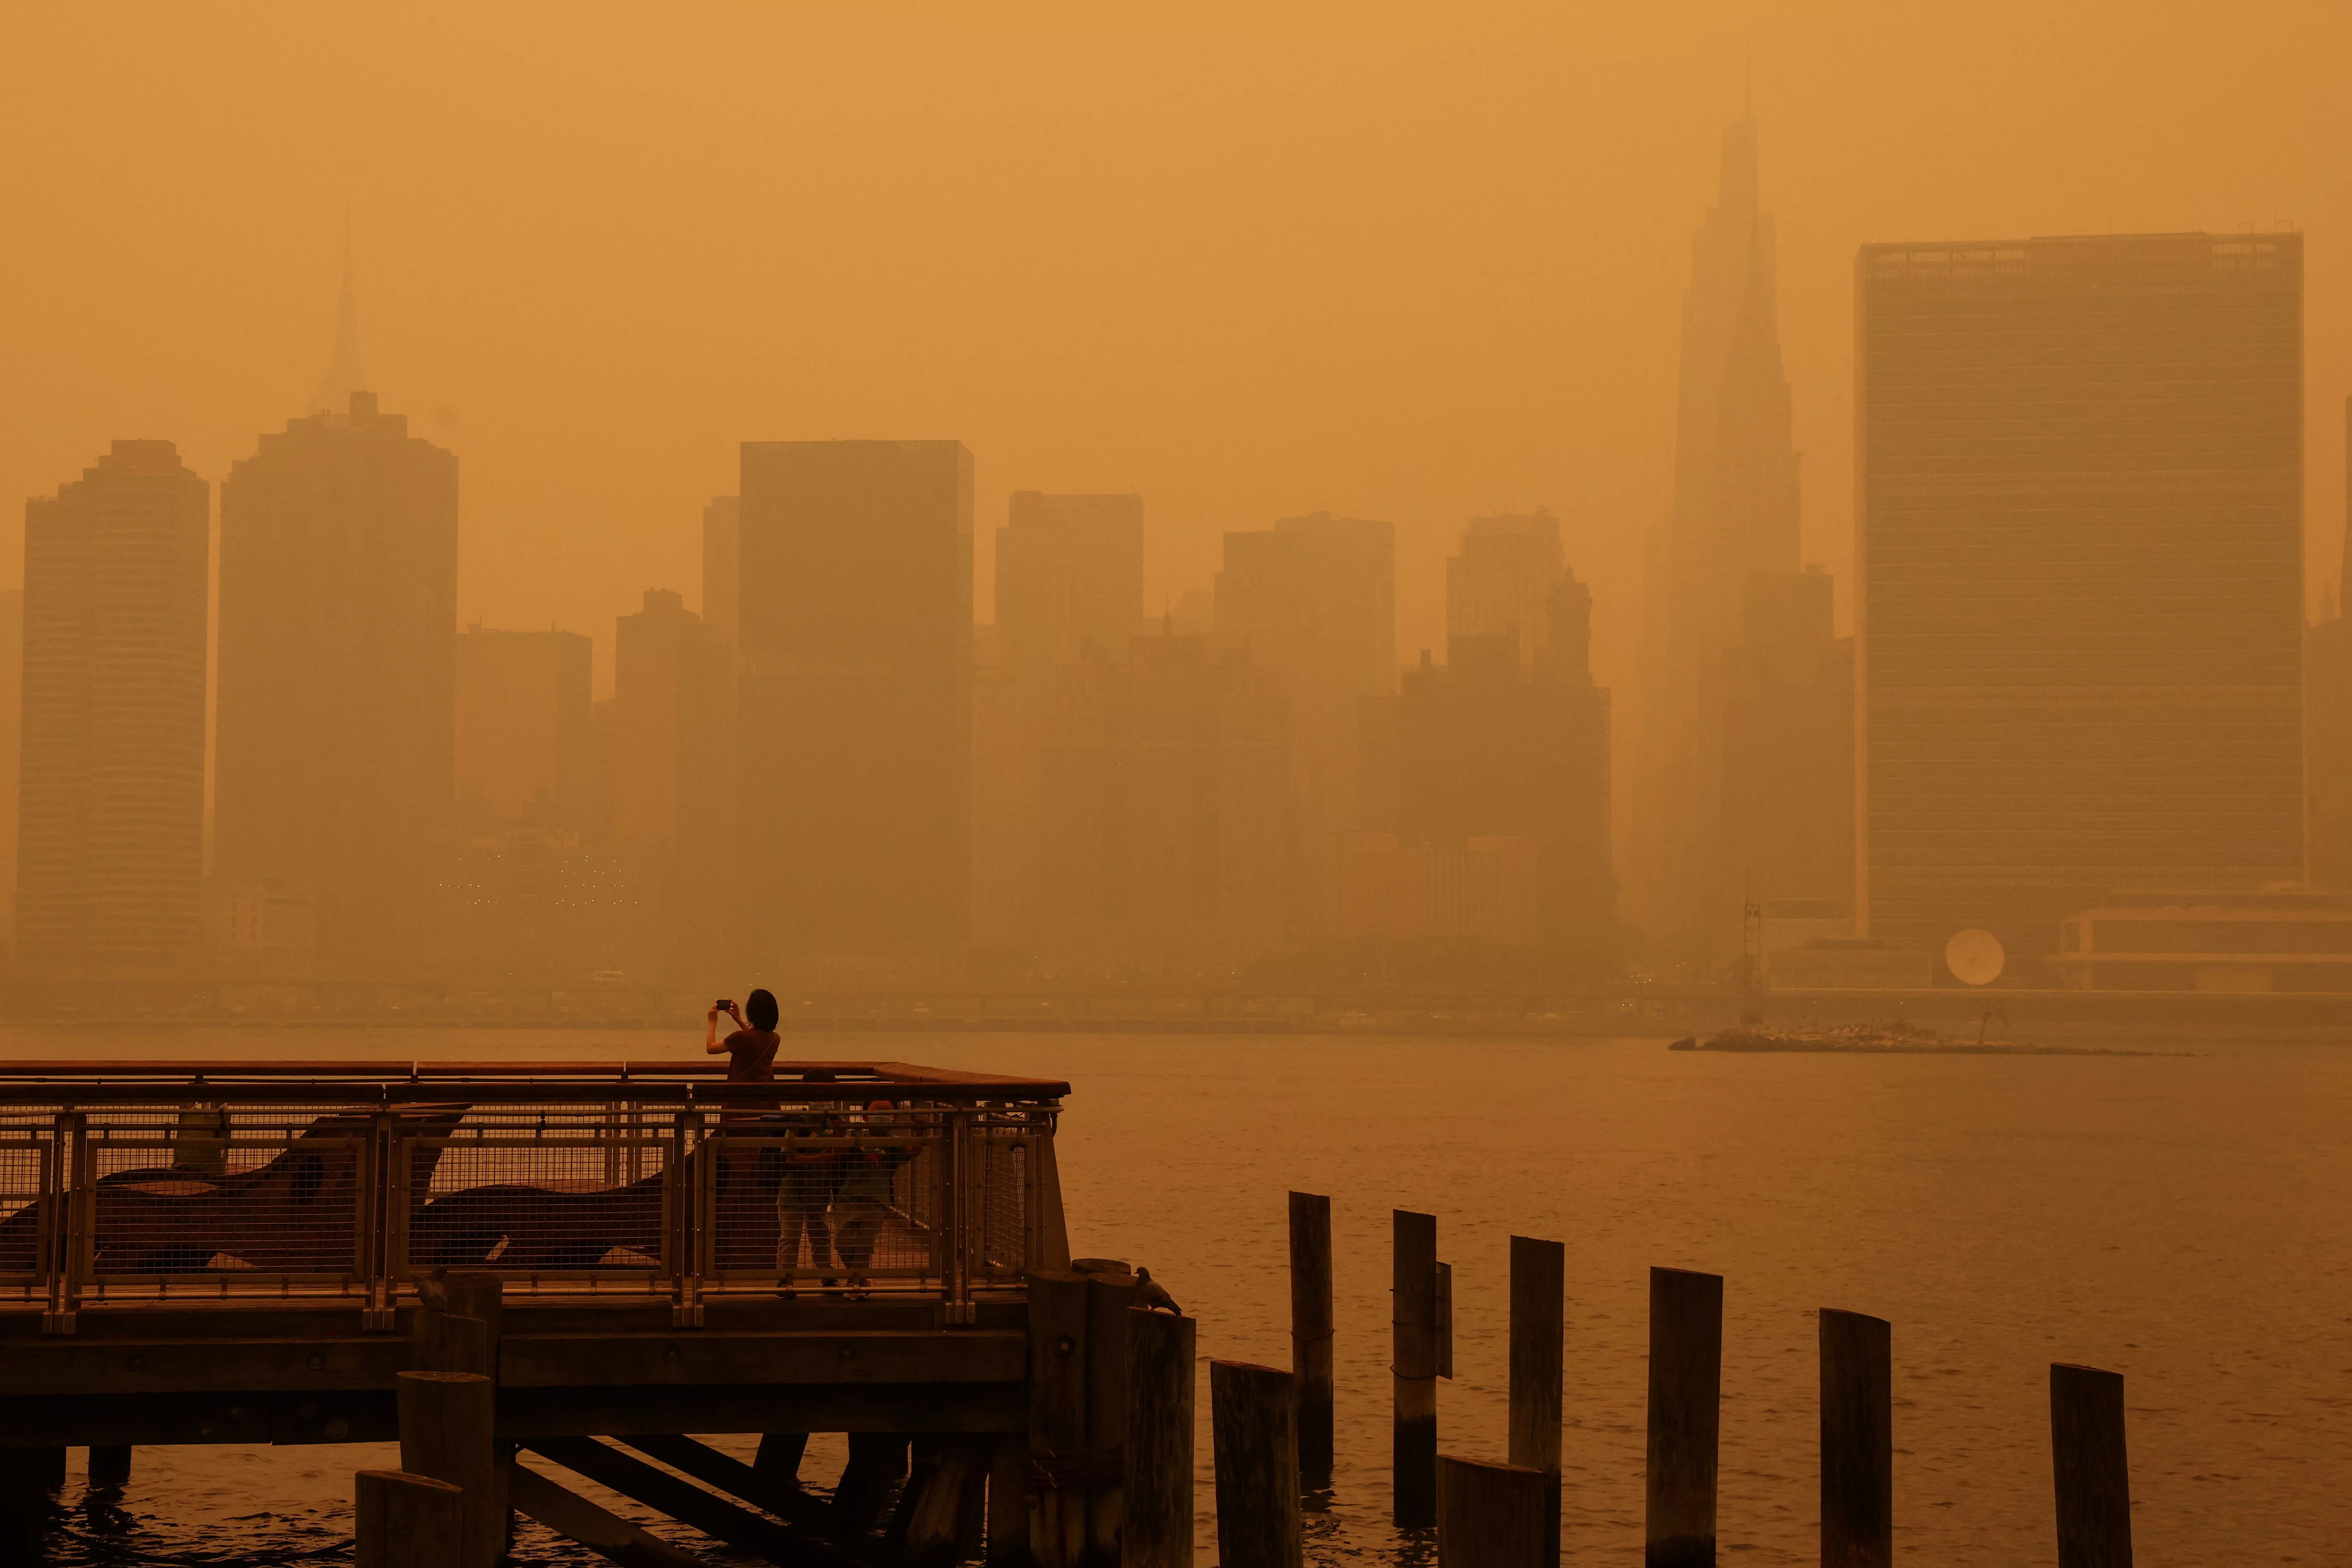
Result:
pixel 1412 262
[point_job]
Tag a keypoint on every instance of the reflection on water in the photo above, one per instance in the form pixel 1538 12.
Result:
pixel 2172 1217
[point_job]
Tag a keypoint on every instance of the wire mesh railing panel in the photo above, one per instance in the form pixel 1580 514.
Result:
pixel 27 1156
pixel 817 1199
pixel 1003 1169
pixel 579 1193
pixel 218 1198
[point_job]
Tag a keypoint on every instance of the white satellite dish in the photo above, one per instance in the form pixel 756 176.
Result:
pixel 1974 957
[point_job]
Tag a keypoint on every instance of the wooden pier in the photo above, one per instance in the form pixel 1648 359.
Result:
pixel 295 1252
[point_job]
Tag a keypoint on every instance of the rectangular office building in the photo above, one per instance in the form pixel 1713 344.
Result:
pixel 2079 558
pixel 854 791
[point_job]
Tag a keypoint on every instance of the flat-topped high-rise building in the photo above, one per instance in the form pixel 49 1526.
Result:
pixel 337 720
pixel 853 800
pixel 2079 577
pixel 523 746
pixel 1069 576
pixel 1312 601
pixel 111 849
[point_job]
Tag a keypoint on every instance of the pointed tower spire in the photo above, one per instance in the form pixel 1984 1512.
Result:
pixel 345 372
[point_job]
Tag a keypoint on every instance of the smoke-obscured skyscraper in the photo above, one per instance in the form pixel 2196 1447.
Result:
pixel 1489 747
pixel 1164 783
pixel 1788 756
pixel 854 799
pixel 110 876
pixel 1069 590
pixel 523 747
pixel 1313 602
pixel 1735 513
pixel 2079 588
pixel 673 779
pixel 1497 582
pixel 338 642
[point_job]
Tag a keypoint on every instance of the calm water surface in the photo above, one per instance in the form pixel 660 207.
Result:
pixel 2179 1219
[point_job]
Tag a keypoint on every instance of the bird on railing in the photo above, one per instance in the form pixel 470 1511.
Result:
pixel 1151 1296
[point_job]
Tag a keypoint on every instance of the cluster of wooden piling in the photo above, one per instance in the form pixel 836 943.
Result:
pixel 1272 1430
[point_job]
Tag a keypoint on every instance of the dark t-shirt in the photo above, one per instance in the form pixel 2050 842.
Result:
pixel 751 1056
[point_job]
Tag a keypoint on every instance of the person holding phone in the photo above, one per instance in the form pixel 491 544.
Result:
pixel 751 1050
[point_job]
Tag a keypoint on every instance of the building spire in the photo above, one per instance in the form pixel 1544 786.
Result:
pixel 345 372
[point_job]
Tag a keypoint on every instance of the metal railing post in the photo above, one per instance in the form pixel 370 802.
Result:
pixel 956 1286
pixel 685 1183
pixel 373 1262
pixel 71 1258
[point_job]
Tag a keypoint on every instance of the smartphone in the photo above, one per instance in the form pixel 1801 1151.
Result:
pixel 723 1004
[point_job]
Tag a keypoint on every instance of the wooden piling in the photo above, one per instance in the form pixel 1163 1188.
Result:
pixel 1857 1442
pixel 1310 1331
pixel 1685 1417
pixel 878 1461
pixel 691 1506
pixel 1058 1413
pixel 1110 1304
pixel 1254 1425
pixel 939 1519
pixel 778 1460
pixel 400 1519
pixel 109 1465
pixel 1158 1529
pixel 1491 1516
pixel 1008 1503
pixel 1538 1331
pixel 1413 1312
pixel 481 1296
pixel 607 1535
pixel 446 1432
pixel 444 1341
pixel 2091 1467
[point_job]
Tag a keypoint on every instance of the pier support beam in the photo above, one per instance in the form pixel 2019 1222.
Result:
pixel 109 1465
pixel 1057 1414
pixel 1857 1441
pixel 1414 1444
pixel 1110 1307
pixel 1253 1423
pixel 446 1432
pixel 404 1520
pixel 1491 1516
pixel 1310 1331
pixel 2091 1467
pixel 1685 1417
pixel 1538 1308
pixel 1158 1530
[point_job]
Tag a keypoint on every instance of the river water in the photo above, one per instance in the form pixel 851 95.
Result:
pixel 2178 1218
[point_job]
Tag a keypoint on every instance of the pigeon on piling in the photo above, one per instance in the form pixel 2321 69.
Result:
pixel 1151 1296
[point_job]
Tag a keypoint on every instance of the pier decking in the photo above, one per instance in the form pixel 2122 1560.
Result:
pixel 240 1252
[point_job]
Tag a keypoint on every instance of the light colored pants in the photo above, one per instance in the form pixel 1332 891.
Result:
pixel 801 1198
pixel 858 1223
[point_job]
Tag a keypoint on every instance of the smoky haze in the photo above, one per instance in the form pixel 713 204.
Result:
pixel 1377 265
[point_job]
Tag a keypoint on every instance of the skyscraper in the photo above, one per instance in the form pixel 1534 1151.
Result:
pixel 1497 582
pixel 12 731
pixel 2079 577
pixel 109 875
pixel 1069 590
pixel 522 747
pixel 1069 575
pixel 1788 753
pixel 1313 602
pixel 723 568
pixel 338 642
pixel 1735 511
pixel 853 800
pixel 673 789
pixel 1164 783
pixel 1488 747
